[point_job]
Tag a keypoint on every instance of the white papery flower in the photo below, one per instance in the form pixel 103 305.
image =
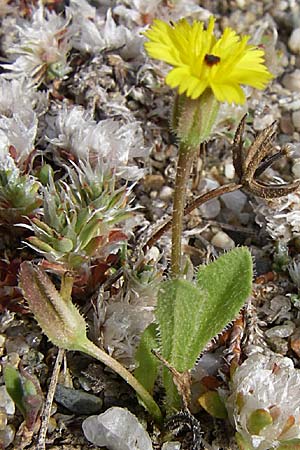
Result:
pixel 264 405
pixel 142 12
pixel 108 142
pixel 137 11
pixel 281 216
pixel 92 34
pixel 43 47
pixel 20 106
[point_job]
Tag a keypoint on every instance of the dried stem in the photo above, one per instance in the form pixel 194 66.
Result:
pixel 41 445
pixel 190 207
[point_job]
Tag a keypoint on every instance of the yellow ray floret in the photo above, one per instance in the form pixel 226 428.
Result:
pixel 202 61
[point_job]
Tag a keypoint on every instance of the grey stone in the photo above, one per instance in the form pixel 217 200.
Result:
pixel 79 402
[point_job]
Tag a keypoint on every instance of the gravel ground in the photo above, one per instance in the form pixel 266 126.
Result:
pixel 109 77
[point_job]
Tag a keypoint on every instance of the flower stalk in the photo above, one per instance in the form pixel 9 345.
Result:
pixel 206 71
pixel 185 160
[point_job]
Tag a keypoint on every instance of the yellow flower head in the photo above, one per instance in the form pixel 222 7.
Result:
pixel 202 61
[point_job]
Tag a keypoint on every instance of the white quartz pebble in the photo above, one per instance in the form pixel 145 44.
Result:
pixel 116 429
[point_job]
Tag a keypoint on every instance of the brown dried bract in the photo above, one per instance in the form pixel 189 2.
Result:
pixel 251 163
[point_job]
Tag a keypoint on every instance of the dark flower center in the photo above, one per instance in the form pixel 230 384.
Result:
pixel 211 60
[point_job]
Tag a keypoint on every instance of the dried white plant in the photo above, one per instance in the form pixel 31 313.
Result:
pixel 20 106
pixel 264 405
pixel 142 12
pixel 42 49
pixel 108 142
pixel 92 33
pixel 280 217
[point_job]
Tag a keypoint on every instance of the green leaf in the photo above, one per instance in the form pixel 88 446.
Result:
pixel 148 364
pixel 242 444
pixel 26 392
pixel 292 444
pixel 213 404
pixel 258 420
pixel 13 386
pixel 178 314
pixel 63 245
pixel 189 316
pixel 59 319
pixel 227 282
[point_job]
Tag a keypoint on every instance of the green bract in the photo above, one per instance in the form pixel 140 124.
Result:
pixel 18 194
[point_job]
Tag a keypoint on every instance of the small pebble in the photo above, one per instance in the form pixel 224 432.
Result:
pixel 116 429
pixel 79 402
pixel 294 41
pixel 222 240
pixel 296 119
pixel 279 345
pixel 229 171
pixel 296 168
pixel 171 446
pixel 7 436
pixel 291 81
pixel 286 124
pixel 166 193
pixel 281 331
pixel 261 122
pixel 6 403
pixel 295 342
pixel 235 201
pixel 153 182
pixel 3 420
pixel 211 209
pixel 17 344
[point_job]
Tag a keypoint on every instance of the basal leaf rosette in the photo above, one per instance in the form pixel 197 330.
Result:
pixel 80 218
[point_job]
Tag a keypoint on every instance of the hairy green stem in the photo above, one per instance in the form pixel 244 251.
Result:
pixel 185 160
pixel 91 349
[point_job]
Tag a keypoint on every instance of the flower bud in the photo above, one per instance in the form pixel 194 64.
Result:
pixel 193 120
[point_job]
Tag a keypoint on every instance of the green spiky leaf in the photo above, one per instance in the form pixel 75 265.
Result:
pixel 148 364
